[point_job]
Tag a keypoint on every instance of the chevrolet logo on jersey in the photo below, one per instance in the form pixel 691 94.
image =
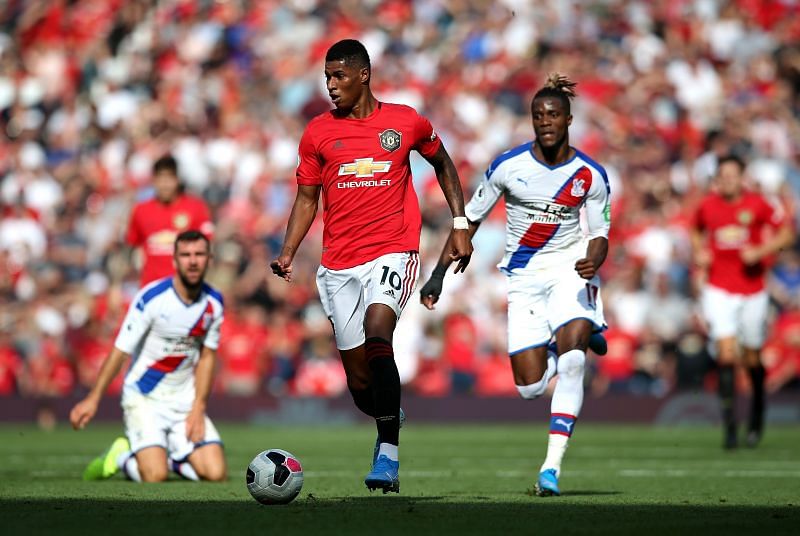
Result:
pixel 364 167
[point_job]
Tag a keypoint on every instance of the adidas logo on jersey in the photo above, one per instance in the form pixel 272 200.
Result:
pixel 389 292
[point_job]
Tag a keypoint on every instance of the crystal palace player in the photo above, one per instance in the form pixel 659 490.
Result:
pixel 357 156
pixel 553 287
pixel 730 242
pixel 172 328
pixel 156 222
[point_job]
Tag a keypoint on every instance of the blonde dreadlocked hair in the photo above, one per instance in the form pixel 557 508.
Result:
pixel 558 86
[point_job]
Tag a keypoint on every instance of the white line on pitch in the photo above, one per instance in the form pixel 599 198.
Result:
pixel 627 473
pixel 681 473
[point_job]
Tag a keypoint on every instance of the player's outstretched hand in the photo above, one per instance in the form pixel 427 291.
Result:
pixel 430 292
pixel 282 267
pixel 461 249
pixel 82 413
pixel 585 268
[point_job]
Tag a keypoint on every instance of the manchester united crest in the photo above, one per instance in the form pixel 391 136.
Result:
pixel 390 139
pixel 745 217
pixel 180 220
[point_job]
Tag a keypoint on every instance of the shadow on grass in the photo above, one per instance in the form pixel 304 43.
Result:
pixel 577 493
pixel 387 515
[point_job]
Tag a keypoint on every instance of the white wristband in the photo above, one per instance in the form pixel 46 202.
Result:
pixel 460 222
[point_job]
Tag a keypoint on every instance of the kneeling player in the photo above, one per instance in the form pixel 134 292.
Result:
pixel 173 328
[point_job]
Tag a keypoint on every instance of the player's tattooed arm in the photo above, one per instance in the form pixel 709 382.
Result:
pixel 432 289
pixel 303 213
pixel 447 176
pixel 460 243
pixel 596 252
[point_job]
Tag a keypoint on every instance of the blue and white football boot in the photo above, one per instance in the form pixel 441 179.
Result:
pixel 385 472
pixel 384 475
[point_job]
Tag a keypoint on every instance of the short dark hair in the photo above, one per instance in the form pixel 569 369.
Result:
pixel 557 86
pixel 350 51
pixel 191 235
pixel 731 158
pixel 166 163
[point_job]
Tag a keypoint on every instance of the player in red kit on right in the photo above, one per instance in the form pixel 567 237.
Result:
pixel 356 156
pixel 156 222
pixel 730 241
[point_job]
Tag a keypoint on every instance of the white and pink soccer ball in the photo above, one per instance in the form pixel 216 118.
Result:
pixel 274 477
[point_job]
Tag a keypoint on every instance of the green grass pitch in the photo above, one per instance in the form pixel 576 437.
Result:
pixel 465 479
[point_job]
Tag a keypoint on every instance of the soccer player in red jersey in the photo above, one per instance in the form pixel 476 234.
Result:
pixel 356 156
pixel 730 245
pixel 156 222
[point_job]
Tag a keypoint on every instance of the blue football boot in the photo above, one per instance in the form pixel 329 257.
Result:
pixel 547 484
pixel 384 475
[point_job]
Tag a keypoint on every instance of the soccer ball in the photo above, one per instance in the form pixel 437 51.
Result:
pixel 274 477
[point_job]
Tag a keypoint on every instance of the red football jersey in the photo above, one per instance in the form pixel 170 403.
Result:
pixel 154 226
pixel 729 227
pixel 370 206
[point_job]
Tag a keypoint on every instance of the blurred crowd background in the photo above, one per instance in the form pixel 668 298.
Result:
pixel 92 92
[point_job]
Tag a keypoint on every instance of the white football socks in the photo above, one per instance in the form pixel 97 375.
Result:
pixel 127 462
pixel 568 394
pixel 535 390
pixel 130 467
pixel 185 470
pixel 564 407
pixel 388 450
pixel 556 447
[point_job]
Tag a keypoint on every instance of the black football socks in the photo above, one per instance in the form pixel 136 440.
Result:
pixel 757 402
pixel 728 402
pixel 385 388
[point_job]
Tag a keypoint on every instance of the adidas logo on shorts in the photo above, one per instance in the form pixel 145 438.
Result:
pixel 389 292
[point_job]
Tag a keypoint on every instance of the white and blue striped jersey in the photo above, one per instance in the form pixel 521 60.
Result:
pixel 543 207
pixel 164 336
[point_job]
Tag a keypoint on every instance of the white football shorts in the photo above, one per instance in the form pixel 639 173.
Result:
pixel 345 294
pixel 154 424
pixel 540 303
pixel 736 315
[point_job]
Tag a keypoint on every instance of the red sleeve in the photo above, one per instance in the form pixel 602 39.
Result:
pixel 426 142
pixel 309 167
pixel 134 236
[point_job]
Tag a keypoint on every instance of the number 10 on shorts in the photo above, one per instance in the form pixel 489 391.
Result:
pixel 394 278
